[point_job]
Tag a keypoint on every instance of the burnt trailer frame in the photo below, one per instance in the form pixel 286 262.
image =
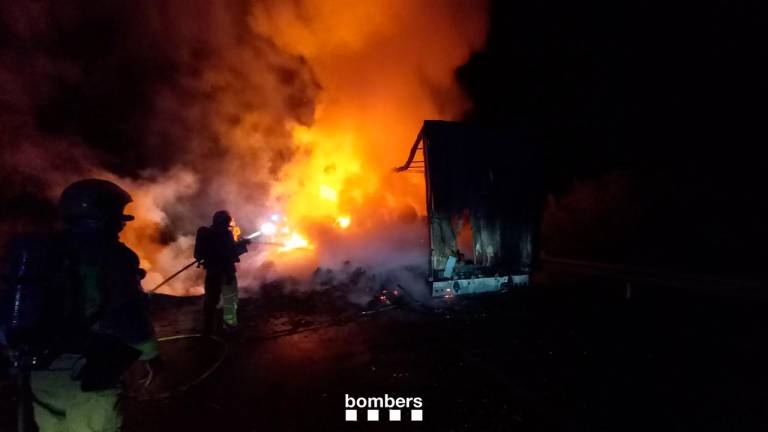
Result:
pixel 486 182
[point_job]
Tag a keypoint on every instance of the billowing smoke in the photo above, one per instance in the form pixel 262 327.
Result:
pixel 301 107
pixel 178 101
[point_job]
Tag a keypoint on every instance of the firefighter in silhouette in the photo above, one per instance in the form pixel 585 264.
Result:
pixel 78 318
pixel 218 249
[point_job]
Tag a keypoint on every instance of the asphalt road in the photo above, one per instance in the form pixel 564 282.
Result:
pixel 571 353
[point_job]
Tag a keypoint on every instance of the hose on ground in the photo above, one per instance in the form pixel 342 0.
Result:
pixel 269 336
pixel 197 380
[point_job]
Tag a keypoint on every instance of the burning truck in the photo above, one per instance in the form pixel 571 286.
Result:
pixel 484 200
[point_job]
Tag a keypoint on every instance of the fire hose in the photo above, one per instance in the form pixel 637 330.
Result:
pixel 169 278
pixel 187 266
pixel 342 320
pixel 24 409
pixel 194 382
pixel 270 336
pixel 221 358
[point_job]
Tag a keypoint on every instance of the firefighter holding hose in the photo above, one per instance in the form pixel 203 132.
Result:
pixel 78 318
pixel 218 249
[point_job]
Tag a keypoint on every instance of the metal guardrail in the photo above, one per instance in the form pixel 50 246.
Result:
pixel 630 274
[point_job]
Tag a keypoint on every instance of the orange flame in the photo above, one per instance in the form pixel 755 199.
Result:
pixel 384 66
pixel 295 241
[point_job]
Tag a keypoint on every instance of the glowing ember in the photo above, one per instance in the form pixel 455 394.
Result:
pixel 344 221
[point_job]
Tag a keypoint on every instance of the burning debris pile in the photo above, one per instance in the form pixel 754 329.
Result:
pixel 369 289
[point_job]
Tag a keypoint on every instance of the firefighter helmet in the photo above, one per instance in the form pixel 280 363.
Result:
pixel 94 199
pixel 222 219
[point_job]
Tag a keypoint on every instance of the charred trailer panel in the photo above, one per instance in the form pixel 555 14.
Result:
pixel 484 200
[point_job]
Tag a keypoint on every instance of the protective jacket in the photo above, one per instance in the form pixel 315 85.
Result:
pixel 217 249
pixel 79 294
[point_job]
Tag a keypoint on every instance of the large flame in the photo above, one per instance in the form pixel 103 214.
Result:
pixel 384 66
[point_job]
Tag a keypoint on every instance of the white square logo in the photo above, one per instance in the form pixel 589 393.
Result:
pixel 384 408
